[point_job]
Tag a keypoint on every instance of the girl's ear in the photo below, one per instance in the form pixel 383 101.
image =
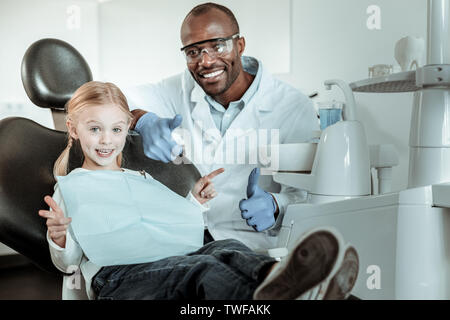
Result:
pixel 72 130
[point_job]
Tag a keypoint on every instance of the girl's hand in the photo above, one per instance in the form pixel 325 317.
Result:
pixel 203 189
pixel 56 222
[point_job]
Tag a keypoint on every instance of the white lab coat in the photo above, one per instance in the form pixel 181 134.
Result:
pixel 275 105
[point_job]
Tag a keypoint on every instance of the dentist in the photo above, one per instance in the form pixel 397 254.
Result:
pixel 222 100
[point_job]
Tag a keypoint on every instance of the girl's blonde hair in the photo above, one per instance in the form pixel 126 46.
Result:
pixel 90 94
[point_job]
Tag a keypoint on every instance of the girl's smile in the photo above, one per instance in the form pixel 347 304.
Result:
pixel 104 153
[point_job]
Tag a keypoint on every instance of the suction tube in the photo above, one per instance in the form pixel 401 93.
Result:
pixel 349 112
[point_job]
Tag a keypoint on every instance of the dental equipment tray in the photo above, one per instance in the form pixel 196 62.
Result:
pixel 433 75
pixel 396 82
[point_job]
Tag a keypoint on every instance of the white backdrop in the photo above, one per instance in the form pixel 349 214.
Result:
pixel 140 39
pixel 23 22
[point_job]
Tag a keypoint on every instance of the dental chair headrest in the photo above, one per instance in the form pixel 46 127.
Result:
pixel 51 72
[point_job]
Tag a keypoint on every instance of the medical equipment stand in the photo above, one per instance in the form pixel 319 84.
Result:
pixel 403 238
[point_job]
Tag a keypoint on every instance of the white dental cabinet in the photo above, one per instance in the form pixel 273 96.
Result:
pixel 403 237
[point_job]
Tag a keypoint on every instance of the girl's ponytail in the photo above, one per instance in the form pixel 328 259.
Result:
pixel 61 165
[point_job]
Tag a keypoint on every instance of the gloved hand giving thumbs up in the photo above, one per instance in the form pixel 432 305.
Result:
pixel 260 207
pixel 157 138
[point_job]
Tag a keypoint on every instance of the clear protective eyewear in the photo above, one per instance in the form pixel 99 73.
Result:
pixel 217 47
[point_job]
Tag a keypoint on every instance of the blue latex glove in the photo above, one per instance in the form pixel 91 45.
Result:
pixel 157 138
pixel 260 207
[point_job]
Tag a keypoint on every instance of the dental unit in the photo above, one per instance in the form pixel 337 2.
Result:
pixel 403 237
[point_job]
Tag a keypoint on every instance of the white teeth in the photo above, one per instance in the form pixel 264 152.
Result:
pixel 105 151
pixel 214 74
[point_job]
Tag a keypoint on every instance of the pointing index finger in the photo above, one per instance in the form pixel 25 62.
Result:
pixel 215 173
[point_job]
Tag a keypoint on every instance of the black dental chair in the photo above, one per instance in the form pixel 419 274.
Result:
pixel 51 71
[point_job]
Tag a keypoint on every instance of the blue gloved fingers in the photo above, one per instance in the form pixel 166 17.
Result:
pixel 175 122
pixel 256 206
pixel 252 221
pixel 149 153
pixel 158 151
pixel 262 227
pixel 165 151
pixel 157 138
pixel 244 205
pixel 253 182
pixel 258 209
pixel 245 214
pixel 257 226
pixel 145 120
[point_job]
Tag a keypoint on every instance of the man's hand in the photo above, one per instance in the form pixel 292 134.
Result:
pixel 203 189
pixel 260 207
pixel 57 224
pixel 157 138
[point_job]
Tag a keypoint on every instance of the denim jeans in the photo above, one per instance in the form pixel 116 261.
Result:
pixel 220 270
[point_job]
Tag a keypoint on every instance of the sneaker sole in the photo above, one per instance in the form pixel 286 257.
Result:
pixel 344 280
pixel 311 262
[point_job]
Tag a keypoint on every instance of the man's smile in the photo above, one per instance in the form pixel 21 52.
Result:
pixel 210 75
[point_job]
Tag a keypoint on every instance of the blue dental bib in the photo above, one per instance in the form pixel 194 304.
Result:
pixel 121 218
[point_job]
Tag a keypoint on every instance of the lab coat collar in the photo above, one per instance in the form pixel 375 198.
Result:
pixel 201 114
pixel 248 118
pixel 265 84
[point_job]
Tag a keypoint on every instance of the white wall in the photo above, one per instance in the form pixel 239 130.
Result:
pixel 23 22
pixel 140 39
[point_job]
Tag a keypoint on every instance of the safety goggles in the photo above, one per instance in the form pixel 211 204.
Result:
pixel 217 47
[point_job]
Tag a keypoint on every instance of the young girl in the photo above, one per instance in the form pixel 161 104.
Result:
pixel 98 118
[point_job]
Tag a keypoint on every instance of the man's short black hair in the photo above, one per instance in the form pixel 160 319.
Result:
pixel 206 7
